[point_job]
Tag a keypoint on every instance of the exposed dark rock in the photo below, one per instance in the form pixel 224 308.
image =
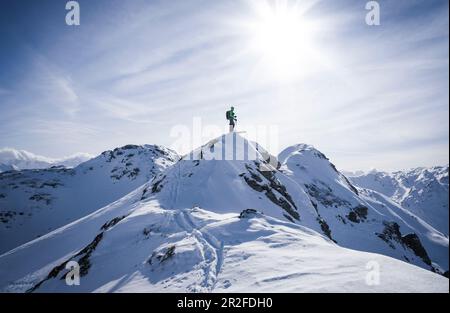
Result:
pixel 315 206
pixel 41 197
pixel 85 254
pixel 411 241
pixel 247 213
pixel 320 155
pixel 130 147
pixel 6 216
pixel 84 263
pixel 53 184
pixel 358 214
pixel 144 192
pixel 255 179
pixel 275 184
pixel 146 231
pixel 168 254
pixel 350 185
pixel 253 175
pixel 325 228
pixel 134 172
pixel 253 184
pixel 340 218
pixel 82 257
pixel 334 167
pixel 157 185
pixel 162 256
pixel 162 151
pixel 288 217
pixel 324 194
pixel 31 183
pixel 109 155
pixel 390 232
pixel 112 222
pixel 353 217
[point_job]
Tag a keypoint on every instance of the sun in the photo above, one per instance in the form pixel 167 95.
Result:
pixel 283 39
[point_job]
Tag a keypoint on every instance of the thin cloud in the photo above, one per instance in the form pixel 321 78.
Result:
pixel 155 65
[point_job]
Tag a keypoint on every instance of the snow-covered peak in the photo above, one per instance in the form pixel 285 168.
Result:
pixel 22 159
pixel 228 174
pixel 312 166
pixel 36 201
pixel 342 210
pixel 230 147
pixel 73 160
pixel 130 160
pixel 303 150
pixel 422 190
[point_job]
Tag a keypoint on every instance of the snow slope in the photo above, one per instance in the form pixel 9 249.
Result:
pixel 217 220
pixel 34 202
pixel 137 246
pixel 422 191
pixel 359 219
pixel 224 176
pixel 21 159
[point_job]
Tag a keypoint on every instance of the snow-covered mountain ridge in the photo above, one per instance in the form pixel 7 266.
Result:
pixel 423 191
pixel 34 202
pixel 212 223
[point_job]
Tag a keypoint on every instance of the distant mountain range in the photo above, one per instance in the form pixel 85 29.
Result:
pixel 423 191
pixel 13 159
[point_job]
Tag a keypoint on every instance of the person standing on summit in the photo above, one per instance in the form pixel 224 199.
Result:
pixel 231 116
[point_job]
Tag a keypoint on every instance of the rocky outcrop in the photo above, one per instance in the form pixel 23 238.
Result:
pixel 391 232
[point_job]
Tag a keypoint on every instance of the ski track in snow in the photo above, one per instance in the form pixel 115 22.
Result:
pixel 212 249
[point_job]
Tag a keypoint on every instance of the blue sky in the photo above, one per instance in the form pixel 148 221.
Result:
pixel 368 97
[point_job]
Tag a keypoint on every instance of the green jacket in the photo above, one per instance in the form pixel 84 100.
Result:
pixel 231 115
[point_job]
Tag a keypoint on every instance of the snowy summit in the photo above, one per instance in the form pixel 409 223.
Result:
pixel 224 217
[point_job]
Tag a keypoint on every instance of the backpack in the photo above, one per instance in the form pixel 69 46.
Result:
pixel 228 115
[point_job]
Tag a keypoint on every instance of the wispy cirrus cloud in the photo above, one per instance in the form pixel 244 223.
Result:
pixel 131 71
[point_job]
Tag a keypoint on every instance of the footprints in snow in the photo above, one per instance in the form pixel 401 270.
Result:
pixel 210 246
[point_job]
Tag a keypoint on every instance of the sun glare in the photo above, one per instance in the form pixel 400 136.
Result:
pixel 283 39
